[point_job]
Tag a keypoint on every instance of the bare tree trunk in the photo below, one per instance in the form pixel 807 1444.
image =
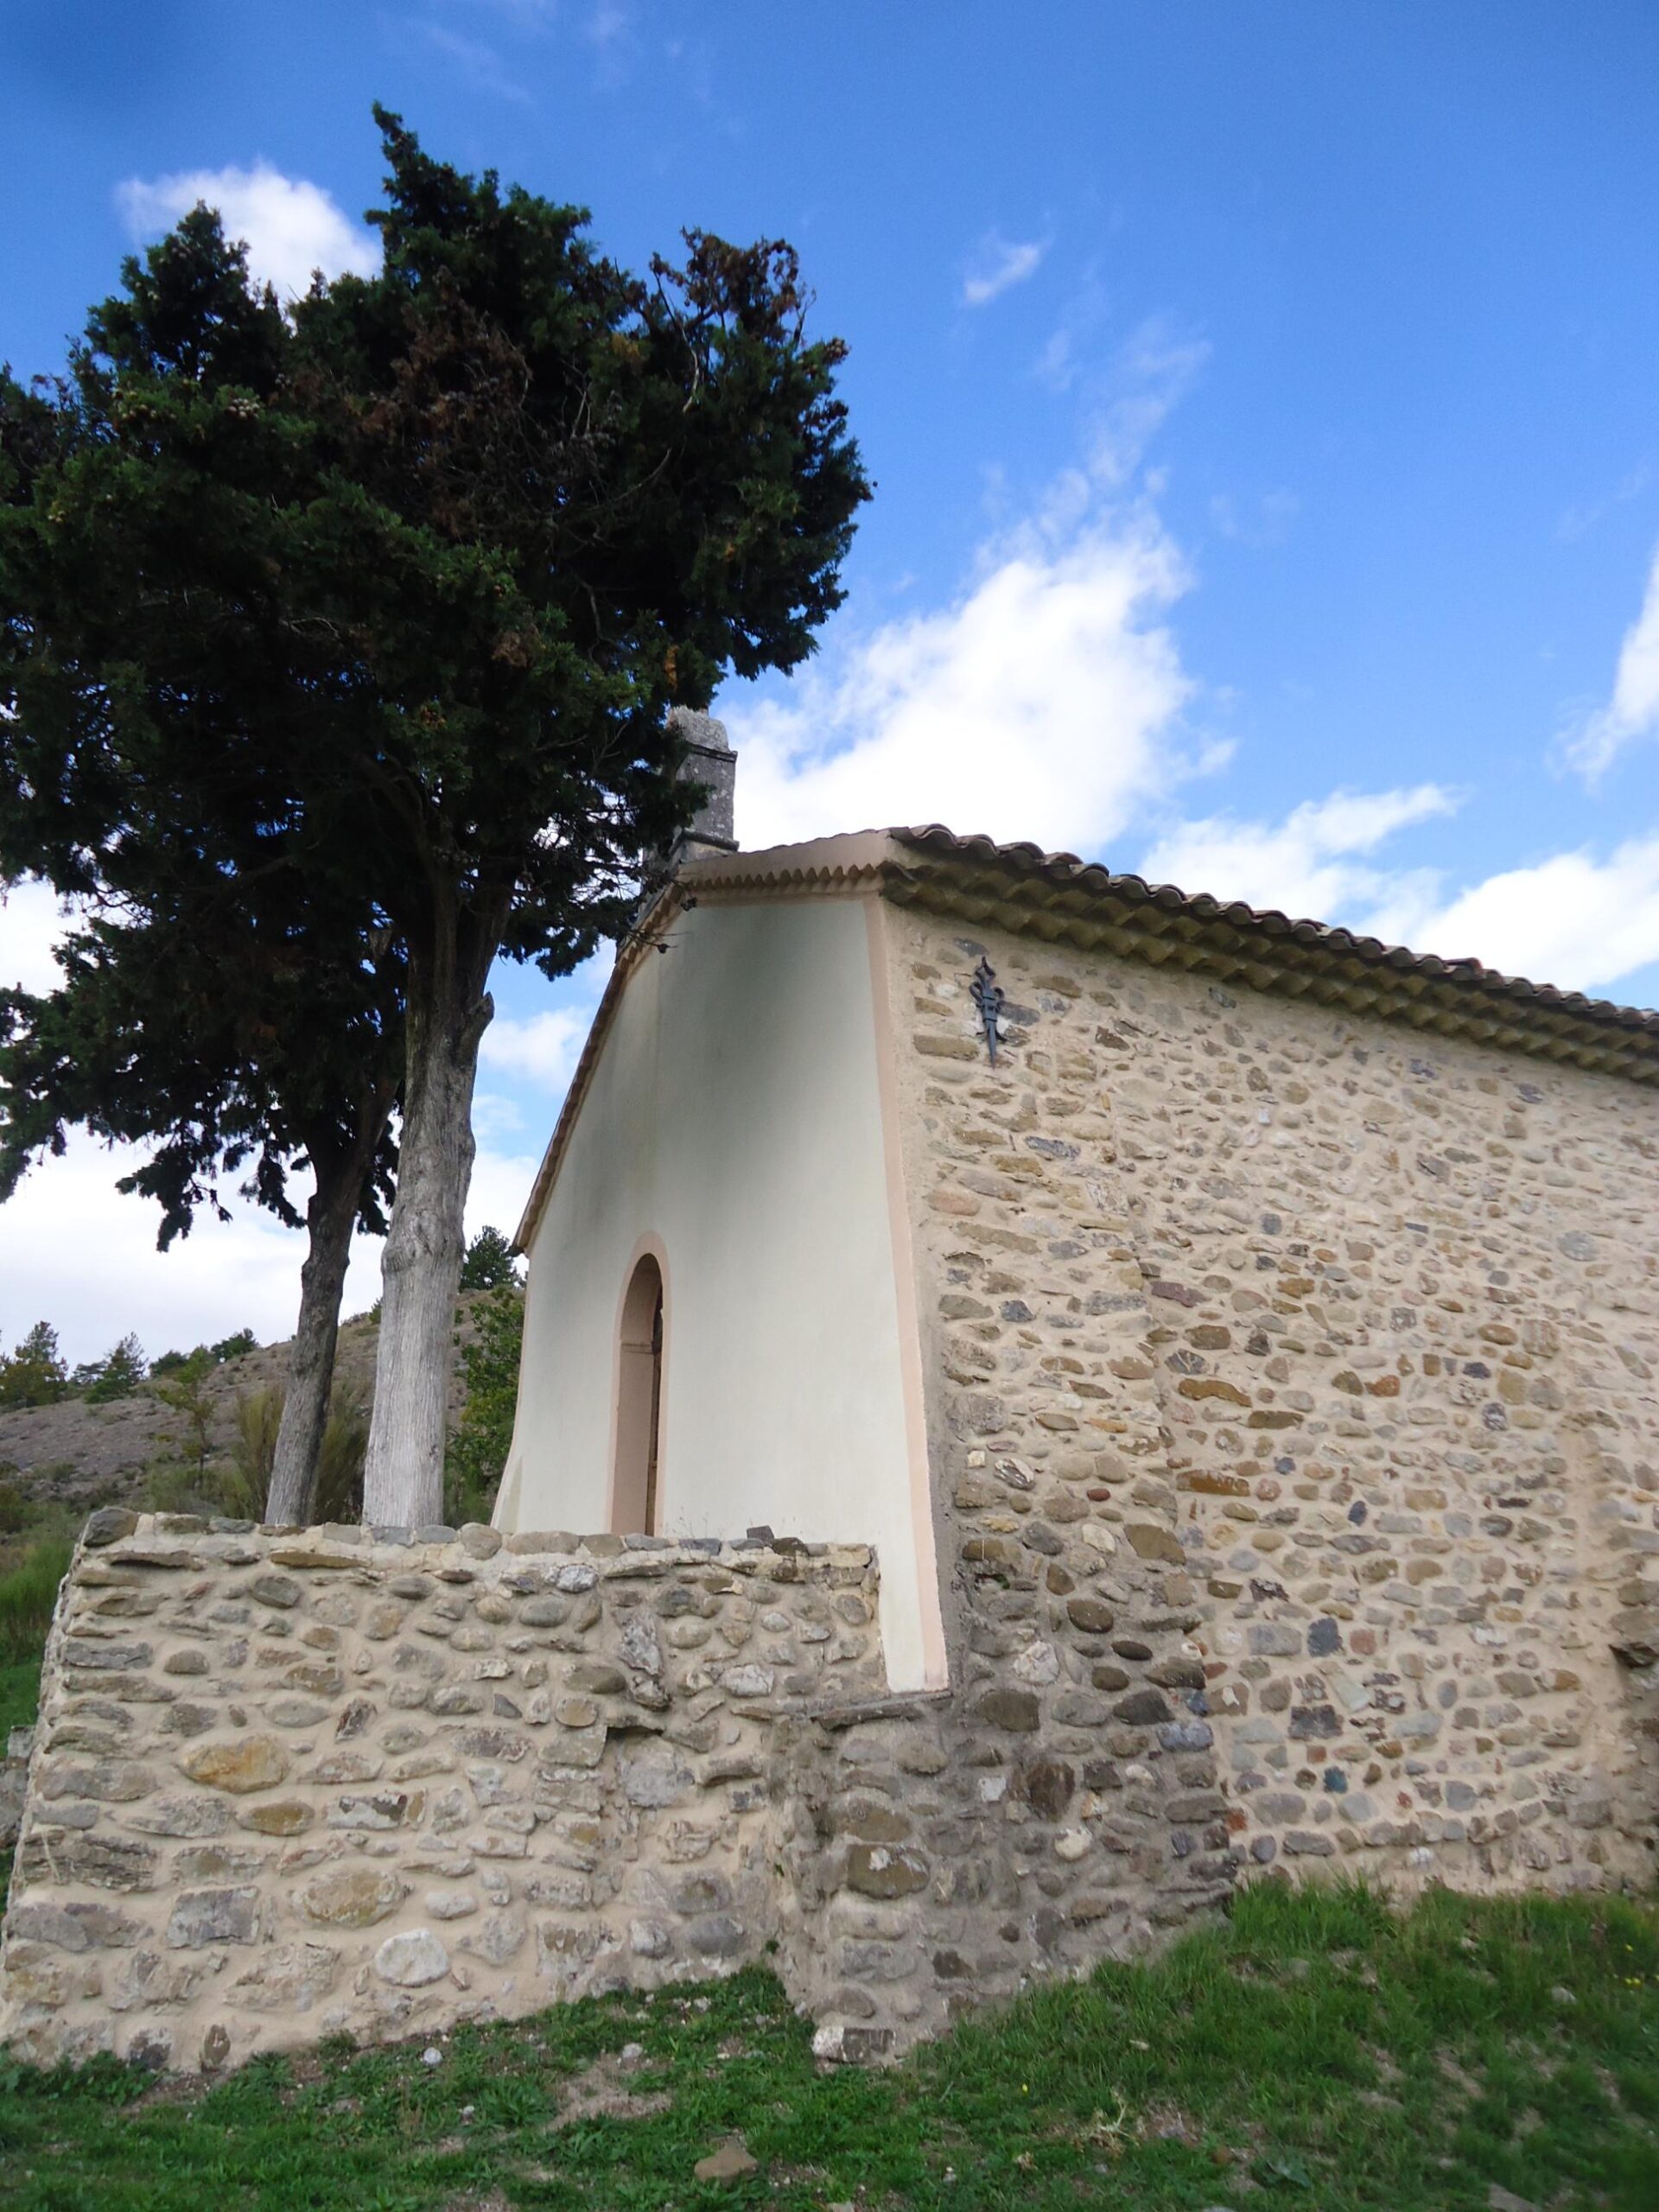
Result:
pixel 330 1218
pixel 447 1012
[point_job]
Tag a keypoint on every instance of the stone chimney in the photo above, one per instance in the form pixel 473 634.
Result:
pixel 711 762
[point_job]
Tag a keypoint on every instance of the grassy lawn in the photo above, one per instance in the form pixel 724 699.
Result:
pixel 1314 2047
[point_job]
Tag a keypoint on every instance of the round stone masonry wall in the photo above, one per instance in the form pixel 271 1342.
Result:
pixel 287 1784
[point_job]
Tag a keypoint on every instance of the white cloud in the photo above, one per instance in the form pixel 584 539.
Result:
pixel 539 1048
pixel 74 1251
pixel 32 920
pixel 291 228
pixel 1633 712
pixel 1043 703
pixel 500 1186
pixel 1573 920
pixel 1570 919
pixel 999 265
pixel 1313 864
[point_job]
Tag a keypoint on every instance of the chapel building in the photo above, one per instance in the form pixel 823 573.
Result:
pixel 1235 1338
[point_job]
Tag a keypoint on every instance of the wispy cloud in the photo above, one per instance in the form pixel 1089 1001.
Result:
pixel 290 227
pixel 1576 521
pixel 1130 402
pixel 999 264
pixel 610 24
pixel 479 62
pixel 1259 524
pixel 1632 711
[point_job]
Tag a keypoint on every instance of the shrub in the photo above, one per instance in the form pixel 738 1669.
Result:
pixel 477 1450
pixel 243 1488
pixel 177 1486
pixel 184 1391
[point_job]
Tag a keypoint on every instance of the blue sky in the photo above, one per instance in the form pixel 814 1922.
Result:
pixel 1264 402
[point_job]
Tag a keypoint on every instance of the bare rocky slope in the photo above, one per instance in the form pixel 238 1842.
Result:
pixel 81 1455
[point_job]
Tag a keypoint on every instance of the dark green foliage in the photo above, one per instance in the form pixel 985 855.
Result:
pixel 489 1262
pixel 221 1002
pixel 118 1374
pixel 489 1366
pixel 35 1373
pixel 235 1346
pixel 1316 2050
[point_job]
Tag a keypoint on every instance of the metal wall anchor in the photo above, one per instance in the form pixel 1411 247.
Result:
pixel 987 995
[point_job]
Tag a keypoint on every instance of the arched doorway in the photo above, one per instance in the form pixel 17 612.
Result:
pixel 638 1403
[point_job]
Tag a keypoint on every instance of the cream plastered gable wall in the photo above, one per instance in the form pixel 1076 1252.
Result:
pixel 733 1126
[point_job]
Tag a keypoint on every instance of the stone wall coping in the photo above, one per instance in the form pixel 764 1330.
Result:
pixel 174 1540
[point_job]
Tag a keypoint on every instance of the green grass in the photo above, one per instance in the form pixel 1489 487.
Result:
pixel 1314 2047
pixel 20 1690
pixel 29 1575
pixel 30 1570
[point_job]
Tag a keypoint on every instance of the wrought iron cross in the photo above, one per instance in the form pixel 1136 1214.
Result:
pixel 987 996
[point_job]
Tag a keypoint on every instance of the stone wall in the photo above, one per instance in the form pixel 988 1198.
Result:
pixel 1295 1433
pixel 288 1785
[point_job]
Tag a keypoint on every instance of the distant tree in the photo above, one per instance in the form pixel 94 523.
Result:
pixel 33 1375
pixel 185 1393
pixel 489 1367
pixel 236 1346
pixel 402 590
pixel 118 1374
pixel 489 1261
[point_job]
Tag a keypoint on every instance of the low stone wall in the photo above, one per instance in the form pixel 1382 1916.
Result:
pixel 287 1785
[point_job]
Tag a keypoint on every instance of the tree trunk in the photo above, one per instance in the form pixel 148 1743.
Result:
pixel 330 1218
pixel 447 1012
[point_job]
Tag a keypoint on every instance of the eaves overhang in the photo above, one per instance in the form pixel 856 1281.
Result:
pixel 1065 901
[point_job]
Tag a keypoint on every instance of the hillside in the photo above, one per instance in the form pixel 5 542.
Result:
pixel 75 1455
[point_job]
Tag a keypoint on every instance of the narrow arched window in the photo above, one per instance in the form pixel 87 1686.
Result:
pixel 638 1403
